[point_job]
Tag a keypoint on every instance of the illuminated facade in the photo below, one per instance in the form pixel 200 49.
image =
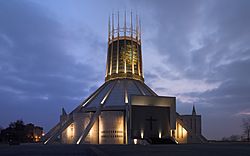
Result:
pixel 124 110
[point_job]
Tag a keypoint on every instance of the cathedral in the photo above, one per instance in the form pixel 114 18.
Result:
pixel 124 110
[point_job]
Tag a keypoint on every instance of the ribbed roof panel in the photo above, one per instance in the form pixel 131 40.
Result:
pixel 120 88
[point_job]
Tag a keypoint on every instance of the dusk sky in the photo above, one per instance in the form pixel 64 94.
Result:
pixel 53 55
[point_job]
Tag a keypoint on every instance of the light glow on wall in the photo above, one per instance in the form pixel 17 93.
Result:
pixel 120 126
pixel 91 132
pixel 120 129
pixel 100 129
pixel 171 132
pixel 126 96
pixel 142 134
pixel 180 133
pixel 125 68
pixel 135 141
pixel 160 134
pixel 70 132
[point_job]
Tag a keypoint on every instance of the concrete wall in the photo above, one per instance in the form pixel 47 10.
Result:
pixel 68 135
pixel 143 127
pixel 111 127
pixel 107 129
pixel 157 101
pixel 193 123
pixel 71 134
pixel 92 137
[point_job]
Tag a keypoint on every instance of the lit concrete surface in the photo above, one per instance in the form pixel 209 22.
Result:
pixel 92 150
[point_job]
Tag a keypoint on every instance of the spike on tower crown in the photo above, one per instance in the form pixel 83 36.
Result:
pixel 124 58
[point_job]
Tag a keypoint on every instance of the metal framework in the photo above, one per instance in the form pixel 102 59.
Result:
pixel 124 46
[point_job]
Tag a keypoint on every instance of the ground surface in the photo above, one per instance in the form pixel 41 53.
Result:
pixel 89 150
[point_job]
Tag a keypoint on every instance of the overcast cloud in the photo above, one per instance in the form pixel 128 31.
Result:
pixel 53 53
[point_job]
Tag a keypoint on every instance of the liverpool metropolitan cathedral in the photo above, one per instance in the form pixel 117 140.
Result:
pixel 124 110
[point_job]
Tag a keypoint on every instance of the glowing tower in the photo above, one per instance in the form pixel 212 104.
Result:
pixel 124 59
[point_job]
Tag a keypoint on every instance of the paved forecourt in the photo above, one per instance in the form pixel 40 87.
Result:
pixel 220 149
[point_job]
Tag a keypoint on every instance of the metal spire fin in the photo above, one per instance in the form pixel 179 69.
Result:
pixel 125 44
pixel 117 51
pixel 107 64
pixel 118 24
pixel 136 27
pixel 140 28
pixel 109 29
pixel 125 24
pixel 131 24
pixel 132 50
pixel 112 26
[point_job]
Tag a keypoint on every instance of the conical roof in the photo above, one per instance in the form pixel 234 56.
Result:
pixel 120 92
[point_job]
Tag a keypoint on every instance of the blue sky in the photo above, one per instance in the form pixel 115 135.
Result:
pixel 53 54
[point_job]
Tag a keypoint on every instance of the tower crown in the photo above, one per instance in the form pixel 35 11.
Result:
pixel 124 58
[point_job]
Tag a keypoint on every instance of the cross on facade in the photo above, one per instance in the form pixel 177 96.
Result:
pixel 151 120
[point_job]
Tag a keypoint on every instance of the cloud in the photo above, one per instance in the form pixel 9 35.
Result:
pixel 243 113
pixel 198 51
pixel 202 53
pixel 39 75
